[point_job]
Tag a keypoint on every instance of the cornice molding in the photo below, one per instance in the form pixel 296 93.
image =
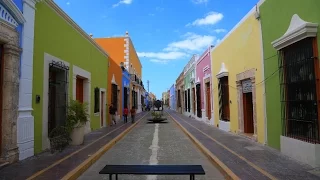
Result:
pixel 16 13
pixel 297 30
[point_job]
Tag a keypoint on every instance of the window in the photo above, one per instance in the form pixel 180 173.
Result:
pixel 179 99
pixel 224 108
pixel 189 103
pixel 114 95
pixel 96 100
pixel 125 97
pixel 185 101
pixel 299 99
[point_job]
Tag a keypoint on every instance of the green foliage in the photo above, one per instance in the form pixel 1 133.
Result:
pixel 156 115
pixel 77 114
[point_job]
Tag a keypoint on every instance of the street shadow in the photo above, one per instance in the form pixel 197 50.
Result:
pixel 162 122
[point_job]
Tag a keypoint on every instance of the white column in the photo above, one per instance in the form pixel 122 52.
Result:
pixel 25 124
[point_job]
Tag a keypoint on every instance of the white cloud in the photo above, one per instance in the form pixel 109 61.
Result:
pixel 200 1
pixel 162 55
pixel 160 61
pixel 219 30
pixel 68 3
pixel 192 42
pixel 212 18
pixel 123 2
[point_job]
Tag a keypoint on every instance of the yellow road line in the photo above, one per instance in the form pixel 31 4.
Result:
pixel 225 170
pixel 77 172
pixel 234 153
pixel 70 155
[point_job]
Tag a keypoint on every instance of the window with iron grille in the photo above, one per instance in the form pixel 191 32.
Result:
pixel 189 101
pixel 224 108
pixel 179 99
pixel 185 101
pixel 298 82
pixel 114 95
pixel 96 100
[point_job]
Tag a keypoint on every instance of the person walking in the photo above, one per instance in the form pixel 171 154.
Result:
pixel 133 113
pixel 112 112
pixel 125 114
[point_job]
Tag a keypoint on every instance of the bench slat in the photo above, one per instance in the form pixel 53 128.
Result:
pixel 153 169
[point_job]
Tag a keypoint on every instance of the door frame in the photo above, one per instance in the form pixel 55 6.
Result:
pixel 103 108
pixel 246 75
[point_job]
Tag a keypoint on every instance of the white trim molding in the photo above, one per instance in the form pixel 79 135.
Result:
pixel 297 30
pixel 45 96
pixel 17 14
pixel 77 71
pixel 223 71
pixel 113 80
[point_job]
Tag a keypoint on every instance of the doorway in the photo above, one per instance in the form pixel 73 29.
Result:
pixel 102 108
pixel 248 113
pixel 189 103
pixel 199 108
pixel 1 83
pixel 79 89
pixel 194 101
pixel 58 85
pixel 208 100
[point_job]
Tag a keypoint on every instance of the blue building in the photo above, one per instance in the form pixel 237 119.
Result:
pixel 172 96
pixel 125 88
pixel 16 52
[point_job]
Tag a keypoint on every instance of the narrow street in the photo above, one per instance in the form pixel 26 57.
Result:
pixel 154 143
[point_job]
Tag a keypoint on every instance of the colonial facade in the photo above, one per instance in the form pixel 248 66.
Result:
pixel 12 20
pixel 122 51
pixel 204 104
pixel 180 93
pixel 172 97
pixel 189 87
pixel 291 52
pixel 63 68
pixel 238 80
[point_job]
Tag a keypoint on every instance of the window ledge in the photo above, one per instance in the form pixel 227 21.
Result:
pixel 297 30
pixel 97 114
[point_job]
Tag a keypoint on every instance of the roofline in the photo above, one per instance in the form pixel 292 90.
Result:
pixel 64 15
pixel 239 23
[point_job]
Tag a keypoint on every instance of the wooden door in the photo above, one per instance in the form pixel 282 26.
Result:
pixel 248 113
pixel 79 89
pixel 208 100
pixel 194 101
pixel 102 108
pixel 1 83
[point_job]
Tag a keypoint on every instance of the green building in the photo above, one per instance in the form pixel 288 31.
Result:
pixel 189 87
pixel 290 34
pixel 67 64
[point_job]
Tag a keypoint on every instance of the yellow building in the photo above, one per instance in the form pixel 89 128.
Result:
pixel 237 71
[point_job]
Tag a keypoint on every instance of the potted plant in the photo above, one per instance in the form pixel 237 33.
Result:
pixel 77 117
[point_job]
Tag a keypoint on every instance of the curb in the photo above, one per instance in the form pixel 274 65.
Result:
pixel 220 165
pixel 80 169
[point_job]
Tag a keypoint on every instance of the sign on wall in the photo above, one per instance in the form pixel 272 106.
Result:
pixel 246 86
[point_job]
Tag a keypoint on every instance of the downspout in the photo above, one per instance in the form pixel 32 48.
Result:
pixel 263 84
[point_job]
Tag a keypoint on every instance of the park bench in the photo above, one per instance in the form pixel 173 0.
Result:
pixel 191 170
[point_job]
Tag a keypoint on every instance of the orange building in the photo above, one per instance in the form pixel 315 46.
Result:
pixel 114 88
pixel 122 51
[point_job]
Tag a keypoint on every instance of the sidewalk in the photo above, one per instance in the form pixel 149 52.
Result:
pixel 55 166
pixel 244 158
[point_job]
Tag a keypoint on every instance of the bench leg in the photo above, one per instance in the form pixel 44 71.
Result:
pixel 192 177
pixel 116 176
pixel 110 176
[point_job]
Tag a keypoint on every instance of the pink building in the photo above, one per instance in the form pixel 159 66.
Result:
pixel 204 104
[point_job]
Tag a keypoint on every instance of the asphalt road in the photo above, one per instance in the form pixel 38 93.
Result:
pixel 150 143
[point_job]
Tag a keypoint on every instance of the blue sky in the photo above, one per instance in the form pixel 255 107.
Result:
pixel 165 33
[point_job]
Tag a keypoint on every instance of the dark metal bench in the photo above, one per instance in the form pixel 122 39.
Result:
pixel 191 170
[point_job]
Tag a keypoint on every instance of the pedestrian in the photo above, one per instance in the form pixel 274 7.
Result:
pixel 112 112
pixel 125 114
pixel 133 113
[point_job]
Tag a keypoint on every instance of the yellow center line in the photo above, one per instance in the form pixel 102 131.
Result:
pixel 234 153
pixel 70 155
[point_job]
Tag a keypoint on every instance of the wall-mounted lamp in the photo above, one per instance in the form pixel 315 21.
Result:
pixel 38 99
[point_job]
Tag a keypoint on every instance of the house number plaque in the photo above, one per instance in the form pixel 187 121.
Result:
pixel 246 86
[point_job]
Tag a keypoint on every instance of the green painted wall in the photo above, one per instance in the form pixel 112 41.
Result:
pixel 53 35
pixel 275 19
pixel 187 78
